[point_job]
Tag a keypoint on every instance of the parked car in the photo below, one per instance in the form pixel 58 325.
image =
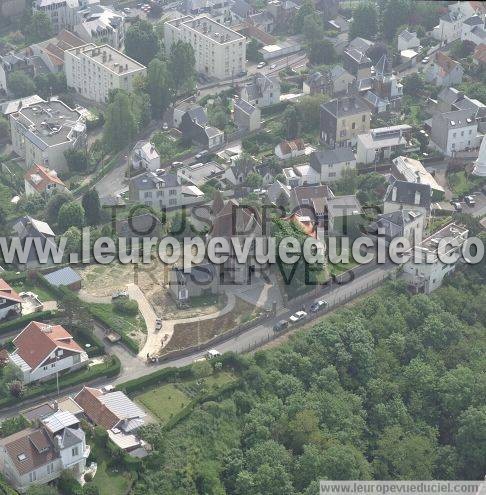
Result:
pixel 318 306
pixel 261 65
pixel 470 201
pixel 177 164
pixel 456 205
pixel 273 66
pixel 425 60
pixel 165 126
pixel 158 324
pixel 201 154
pixel 212 353
pixel 281 325
pixel 300 315
pixel 119 294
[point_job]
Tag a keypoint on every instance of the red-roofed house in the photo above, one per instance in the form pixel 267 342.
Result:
pixel 39 179
pixel 10 301
pixel 290 149
pixel 42 350
pixel 444 71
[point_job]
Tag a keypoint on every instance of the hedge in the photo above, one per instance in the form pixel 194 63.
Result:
pixel 68 380
pixel 21 322
pixel 164 375
pixel 10 276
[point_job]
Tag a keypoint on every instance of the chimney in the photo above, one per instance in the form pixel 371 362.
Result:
pixel 417 198
pixel 394 194
pixel 55 404
pixel 417 175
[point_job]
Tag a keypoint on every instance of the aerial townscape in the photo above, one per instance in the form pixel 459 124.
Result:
pixel 241 245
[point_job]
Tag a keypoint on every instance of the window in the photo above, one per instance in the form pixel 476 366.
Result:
pixel 462 133
pixel 50 468
pixel 454 134
pixel 148 194
pixel 172 202
pixel 32 476
pixel 45 368
pixel 342 133
pixel 332 174
pixel 172 192
pixel 353 125
pixel 363 118
pixel 75 451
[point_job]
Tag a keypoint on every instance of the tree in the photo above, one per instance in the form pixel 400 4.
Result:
pixel 54 205
pixel 182 66
pixel 73 240
pixel 291 122
pixel 4 128
pixel 92 207
pixel 395 14
pixel 365 21
pixel 218 118
pixel 40 27
pixel 252 51
pixel 141 42
pixel 471 442
pixel 70 215
pixel 120 125
pixel 306 9
pixel 77 160
pixel 312 29
pixel 158 87
pixel 322 52
pixel 413 85
pixel 254 180
pixel 309 111
pixel 41 490
pixel 20 84
pixel 462 49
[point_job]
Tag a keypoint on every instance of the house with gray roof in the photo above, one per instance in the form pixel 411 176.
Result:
pixel 206 135
pixel 407 40
pixel 408 224
pixel 201 280
pixel 344 215
pixel 408 195
pixel 245 115
pixel 64 277
pixel 332 164
pixel 196 112
pixel 261 91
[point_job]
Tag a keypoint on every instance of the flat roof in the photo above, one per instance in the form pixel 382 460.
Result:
pixel 111 59
pixel 209 28
pixel 49 122
pixel 452 230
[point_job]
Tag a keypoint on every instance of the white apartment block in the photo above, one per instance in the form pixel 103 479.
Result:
pixel 95 70
pixel 220 52
pixel 42 132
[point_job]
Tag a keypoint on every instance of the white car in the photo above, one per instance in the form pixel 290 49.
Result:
pixel 212 353
pixel 425 60
pixel 273 66
pixel 300 315
pixel 261 65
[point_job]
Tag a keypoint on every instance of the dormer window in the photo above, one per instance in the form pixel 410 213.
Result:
pixel 22 457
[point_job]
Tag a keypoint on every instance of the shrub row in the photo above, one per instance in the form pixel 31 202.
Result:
pixel 112 368
pixel 21 322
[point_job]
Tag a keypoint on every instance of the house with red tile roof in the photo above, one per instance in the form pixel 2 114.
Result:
pixel 443 70
pixel 42 350
pixel 10 301
pixel 40 179
pixel 290 149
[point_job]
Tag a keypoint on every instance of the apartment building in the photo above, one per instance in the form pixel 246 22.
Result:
pixel 62 13
pixel 220 52
pixel 95 70
pixel 343 119
pixel 42 132
pixel 454 131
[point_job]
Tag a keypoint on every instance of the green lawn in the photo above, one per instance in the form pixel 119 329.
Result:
pixel 163 402
pixel 125 324
pixel 109 482
pixel 460 184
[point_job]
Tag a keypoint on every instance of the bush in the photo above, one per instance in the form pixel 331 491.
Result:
pixel 21 322
pixel 90 489
pixel 126 307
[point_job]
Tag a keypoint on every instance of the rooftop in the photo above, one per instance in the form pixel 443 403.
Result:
pixel 349 105
pixel 209 28
pixel 452 231
pixel 342 206
pixel 50 123
pixel 413 171
pixel 40 177
pixel 383 137
pixel 106 56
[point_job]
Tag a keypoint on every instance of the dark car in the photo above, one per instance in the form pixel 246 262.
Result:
pixel 318 306
pixel 457 206
pixel 281 325
pixel 470 201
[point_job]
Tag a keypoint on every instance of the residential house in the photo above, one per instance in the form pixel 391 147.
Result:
pixel 239 171
pixel 330 165
pixel 200 173
pixel 291 45
pixel 278 193
pixel 31 233
pixel 283 11
pixel 408 196
pixel 425 272
pixel 336 81
pixel 469 8
pixel 407 40
pixel 454 131
pixel 355 59
pixel 14 62
pixel 300 175
pixel 93 71
pixel 144 156
pixel 43 350
pixel 340 24
pixel 406 224
pixel 290 149
pixel 344 215
pixel 219 51
pixel 13 106
pixel 162 191
pixel 342 120
pixel 196 112
pixel 51 51
pixel 40 454
pixel 61 13
pixel 262 90
pixel 10 301
pixel 378 145
pixel 115 412
pixel 411 170
pixel 311 201
pixel 443 70
pixel 208 136
pixel 42 133
pixel 236 221
pixel 139 226
pixel 100 24
pixel 42 180
pixel 263 21
pixel 201 280
pixel 241 10
pixel 473 30
pixel 246 116
pixel 449 28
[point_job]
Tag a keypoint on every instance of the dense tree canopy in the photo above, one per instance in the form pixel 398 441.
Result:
pixel 365 21
pixel 141 42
